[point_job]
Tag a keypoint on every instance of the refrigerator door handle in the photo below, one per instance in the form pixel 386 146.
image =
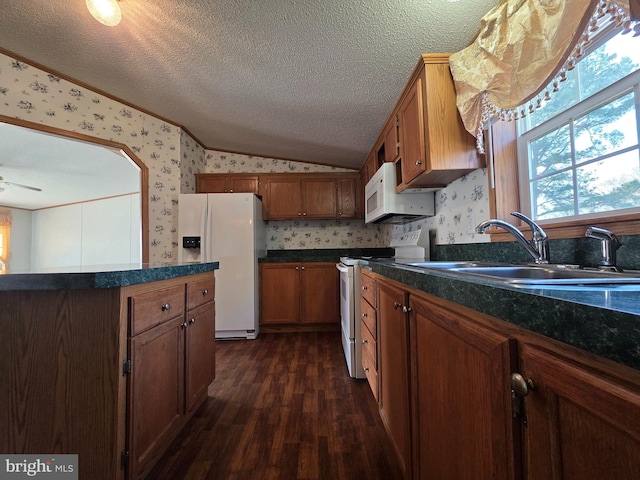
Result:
pixel 205 233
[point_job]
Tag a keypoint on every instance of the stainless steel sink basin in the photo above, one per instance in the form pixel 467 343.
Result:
pixel 530 275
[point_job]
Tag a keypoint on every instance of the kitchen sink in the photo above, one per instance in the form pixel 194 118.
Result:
pixel 530 275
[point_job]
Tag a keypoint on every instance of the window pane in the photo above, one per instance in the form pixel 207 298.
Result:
pixel 553 196
pixel 550 153
pixel 606 129
pixel 610 184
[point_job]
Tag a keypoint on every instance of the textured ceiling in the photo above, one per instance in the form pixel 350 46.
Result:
pixel 297 79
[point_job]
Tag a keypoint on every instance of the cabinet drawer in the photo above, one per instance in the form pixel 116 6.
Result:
pixel 369 361
pixel 368 317
pixel 369 349
pixel 368 289
pixel 153 308
pixel 200 292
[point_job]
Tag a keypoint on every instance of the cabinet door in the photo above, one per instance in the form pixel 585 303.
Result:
pixel 462 402
pixel 156 389
pixel 347 198
pixel 214 183
pixel 279 293
pixel 243 184
pixel 393 369
pixel 319 198
pixel 283 199
pixel 320 300
pixel 412 146
pixel 200 353
pixel 579 424
pixel 391 150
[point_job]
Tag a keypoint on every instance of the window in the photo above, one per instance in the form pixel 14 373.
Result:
pixel 579 152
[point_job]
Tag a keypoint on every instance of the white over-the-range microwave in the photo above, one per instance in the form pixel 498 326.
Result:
pixel 382 204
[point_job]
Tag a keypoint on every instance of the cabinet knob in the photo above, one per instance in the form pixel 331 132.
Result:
pixel 396 305
pixel 302 268
pixel 364 288
pixel 192 321
pixel 166 306
pixel 205 291
pixel 520 386
pixel 366 369
pixel 304 214
pixel 364 315
pixel 406 309
pixel 364 341
pixel 230 191
pixel 299 214
pixel 418 162
pixel 184 325
pixel 297 268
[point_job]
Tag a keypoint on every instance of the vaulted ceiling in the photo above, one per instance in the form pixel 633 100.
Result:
pixel 295 79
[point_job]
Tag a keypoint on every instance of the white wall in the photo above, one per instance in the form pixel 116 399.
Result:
pixel 20 246
pixel 94 233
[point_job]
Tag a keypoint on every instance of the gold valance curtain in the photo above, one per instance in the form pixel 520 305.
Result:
pixel 521 47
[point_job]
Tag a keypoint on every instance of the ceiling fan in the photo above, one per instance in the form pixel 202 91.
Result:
pixel 3 182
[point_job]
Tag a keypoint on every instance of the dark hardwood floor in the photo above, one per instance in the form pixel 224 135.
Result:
pixel 282 407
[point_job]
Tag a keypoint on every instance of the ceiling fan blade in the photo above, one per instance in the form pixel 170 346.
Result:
pixel 36 189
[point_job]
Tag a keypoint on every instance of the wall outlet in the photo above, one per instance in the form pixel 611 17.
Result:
pixel 471 223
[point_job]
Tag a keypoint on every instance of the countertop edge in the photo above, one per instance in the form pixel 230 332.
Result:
pixel 101 279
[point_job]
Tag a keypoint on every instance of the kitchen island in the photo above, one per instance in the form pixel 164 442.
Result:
pixel 107 362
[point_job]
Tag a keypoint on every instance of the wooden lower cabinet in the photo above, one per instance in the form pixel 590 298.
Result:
pixel 579 423
pixel 578 417
pixel 109 374
pixel 393 368
pixel 462 404
pixel 171 365
pixel 299 293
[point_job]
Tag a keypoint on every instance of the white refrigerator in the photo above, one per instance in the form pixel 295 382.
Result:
pixel 227 228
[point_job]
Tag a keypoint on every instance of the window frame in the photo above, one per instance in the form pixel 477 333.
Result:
pixel 502 147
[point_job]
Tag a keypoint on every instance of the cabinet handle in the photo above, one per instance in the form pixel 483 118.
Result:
pixel 366 369
pixel 519 386
pixel 299 214
pixel 364 315
pixel 166 306
pixel 184 325
pixel 304 214
pixel 302 268
pixel 364 341
pixel 297 268
pixel 205 291
pixel 418 162
pixel 406 309
pixel 192 321
pixel 396 305
pixel 364 288
pixel 230 191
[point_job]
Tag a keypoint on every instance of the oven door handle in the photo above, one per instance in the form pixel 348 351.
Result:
pixel 343 268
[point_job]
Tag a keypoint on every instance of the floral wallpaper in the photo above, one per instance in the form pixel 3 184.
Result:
pixel 173 157
pixel 459 208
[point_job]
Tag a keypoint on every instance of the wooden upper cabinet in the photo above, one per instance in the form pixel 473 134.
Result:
pixel 432 147
pixel 283 199
pixel 347 198
pixel 319 198
pixel 411 120
pixel 391 144
pixel 312 195
pixel 227 183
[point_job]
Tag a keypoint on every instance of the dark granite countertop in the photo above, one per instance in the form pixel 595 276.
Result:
pixel 601 319
pixel 99 276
